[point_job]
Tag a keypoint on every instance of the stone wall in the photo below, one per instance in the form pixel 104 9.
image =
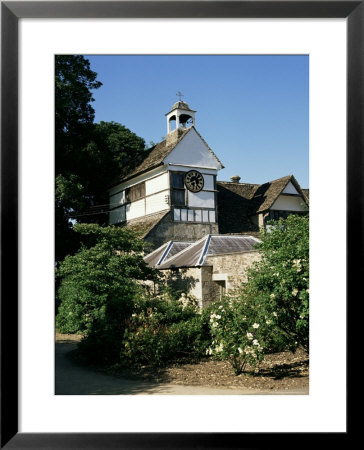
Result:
pixel 167 230
pixel 232 267
pixel 224 273
pixel 186 280
pixel 206 282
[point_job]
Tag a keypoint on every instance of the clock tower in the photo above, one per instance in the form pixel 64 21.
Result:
pixel 172 194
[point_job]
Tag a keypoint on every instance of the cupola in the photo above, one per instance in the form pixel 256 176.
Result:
pixel 181 114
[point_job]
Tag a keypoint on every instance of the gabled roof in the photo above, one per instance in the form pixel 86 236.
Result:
pixel 307 193
pixel 266 194
pixel 154 156
pixel 164 252
pixel 195 254
pixel 238 202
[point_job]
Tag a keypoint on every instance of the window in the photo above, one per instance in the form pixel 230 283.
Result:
pixel 220 290
pixel 135 192
pixel 178 180
pixel 178 196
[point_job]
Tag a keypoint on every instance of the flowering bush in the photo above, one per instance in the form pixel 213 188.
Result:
pixel 281 281
pixel 162 330
pixel 238 333
pixel 270 312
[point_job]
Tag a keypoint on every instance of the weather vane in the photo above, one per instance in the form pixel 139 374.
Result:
pixel 179 94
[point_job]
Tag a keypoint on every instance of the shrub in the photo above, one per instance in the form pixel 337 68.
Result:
pixel 99 286
pixel 270 312
pixel 238 333
pixel 163 332
pixel 281 280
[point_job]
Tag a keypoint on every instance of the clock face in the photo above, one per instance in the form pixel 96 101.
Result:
pixel 194 181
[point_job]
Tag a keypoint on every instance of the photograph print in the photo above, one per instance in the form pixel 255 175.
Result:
pixel 181 224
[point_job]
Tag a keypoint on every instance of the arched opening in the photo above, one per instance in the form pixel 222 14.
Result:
pixel 185 120
pixel 172 123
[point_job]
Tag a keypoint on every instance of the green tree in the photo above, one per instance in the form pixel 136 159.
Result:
pixel 89 156
pixel 74 115
pixel 112 150
pixel 99 285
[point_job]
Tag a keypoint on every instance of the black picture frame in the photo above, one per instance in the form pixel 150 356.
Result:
pixel 11 12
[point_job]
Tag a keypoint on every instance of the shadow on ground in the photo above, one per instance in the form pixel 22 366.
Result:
pixel 277 372
pixel 74 379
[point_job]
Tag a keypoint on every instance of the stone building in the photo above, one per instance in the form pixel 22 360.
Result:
pixel 203 231
pixel 208 268
pixel 174 195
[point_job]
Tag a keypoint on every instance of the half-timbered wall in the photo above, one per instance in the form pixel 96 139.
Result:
pixel 139 198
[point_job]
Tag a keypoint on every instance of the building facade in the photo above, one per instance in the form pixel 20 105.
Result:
pixel 172 194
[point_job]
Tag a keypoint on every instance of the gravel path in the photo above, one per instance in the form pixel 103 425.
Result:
pixel 73 379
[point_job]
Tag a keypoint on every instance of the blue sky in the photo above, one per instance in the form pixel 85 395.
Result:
pixel 252 110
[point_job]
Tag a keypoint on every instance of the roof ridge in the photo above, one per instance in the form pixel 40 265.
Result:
pixel 240 184
pixel 154 251
pixel 185 249
pixel 164 254
pixel 162 145
pixel 204 250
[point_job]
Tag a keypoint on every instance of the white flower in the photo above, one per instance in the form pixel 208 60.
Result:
pixel 268 322
pixel 215 324
pixel 219 348
pixel 255 325
pixel 275 314
pixel 255 342
pixel 272 296
pixel 295 292
pixel 249 336
pixel 240 350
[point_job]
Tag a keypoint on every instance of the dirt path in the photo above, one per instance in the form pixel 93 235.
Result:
pixel 73 379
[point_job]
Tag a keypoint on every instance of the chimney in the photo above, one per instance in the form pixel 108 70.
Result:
pixel 235 179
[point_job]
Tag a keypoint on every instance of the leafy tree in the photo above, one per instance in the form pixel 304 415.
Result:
pixel 99 285
pixel 74 115
pixel 89 157
pixel 113 149
pixel 270 312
